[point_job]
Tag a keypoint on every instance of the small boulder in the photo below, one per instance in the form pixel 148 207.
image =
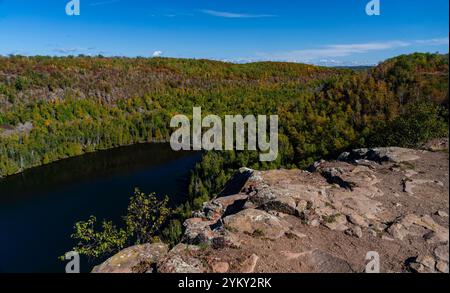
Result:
pixel 357 220
pixel 336 223
pixel 423 264
pixel 251 221
pixel 302 205
pixel 442 266
pixel 442 214
pixel 355 231
pixel 441 253
pixel 220 267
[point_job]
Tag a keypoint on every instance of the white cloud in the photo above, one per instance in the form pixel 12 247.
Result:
pixel 329 52
pixel 157 54
pixel 91 51
pixel 333 51
pixel 434 42
pixel 235 15
pixel 67 50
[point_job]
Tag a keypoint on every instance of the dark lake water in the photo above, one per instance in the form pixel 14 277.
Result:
pixel 39 207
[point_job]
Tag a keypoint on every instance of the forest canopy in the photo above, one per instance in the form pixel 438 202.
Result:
pixel 53 108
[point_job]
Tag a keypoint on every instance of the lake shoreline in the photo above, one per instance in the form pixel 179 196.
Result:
pixel 83 154
pixel 39 207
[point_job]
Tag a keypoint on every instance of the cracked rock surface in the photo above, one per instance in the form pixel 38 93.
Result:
pixel 392 201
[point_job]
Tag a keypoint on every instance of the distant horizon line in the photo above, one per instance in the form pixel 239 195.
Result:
pixel 229 61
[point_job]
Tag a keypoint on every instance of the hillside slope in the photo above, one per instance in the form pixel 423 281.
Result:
pixel 54 108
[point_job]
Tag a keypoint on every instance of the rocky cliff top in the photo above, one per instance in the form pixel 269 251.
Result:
pixel 392 201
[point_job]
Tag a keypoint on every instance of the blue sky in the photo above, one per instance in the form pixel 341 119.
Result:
pixel 327 32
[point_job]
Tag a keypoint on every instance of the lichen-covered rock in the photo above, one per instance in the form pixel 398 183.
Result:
pixel 262 196
pixel 197 231
pixel 180 265
pixel 181 259
pixel 133 259
pixel 225 238
pixel 282 204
